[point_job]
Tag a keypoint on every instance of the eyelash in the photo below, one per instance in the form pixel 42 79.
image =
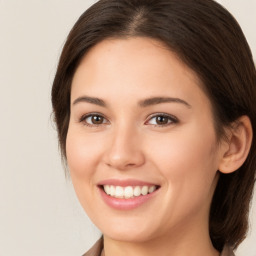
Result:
pixel 84 117
pixel 171 119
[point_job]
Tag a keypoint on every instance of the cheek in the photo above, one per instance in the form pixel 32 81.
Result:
pixel 82 153
pixel 192 148
pixel 188 162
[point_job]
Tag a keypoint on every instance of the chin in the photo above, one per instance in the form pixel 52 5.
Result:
pixel 126 236
pixel 128 233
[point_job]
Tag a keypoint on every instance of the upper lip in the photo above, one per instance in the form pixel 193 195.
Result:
pixel 124 183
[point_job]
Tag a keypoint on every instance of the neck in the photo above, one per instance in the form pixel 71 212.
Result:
pixel 175 244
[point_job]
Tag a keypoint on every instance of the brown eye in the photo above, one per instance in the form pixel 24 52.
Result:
pixel 162 120
pixel 97 119
pixel 93 120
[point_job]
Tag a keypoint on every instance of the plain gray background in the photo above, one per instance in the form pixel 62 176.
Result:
pixel 39 213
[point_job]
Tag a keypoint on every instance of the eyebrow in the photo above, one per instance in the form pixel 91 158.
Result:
pixel 91 100
pixel 159 100
pixel 142 103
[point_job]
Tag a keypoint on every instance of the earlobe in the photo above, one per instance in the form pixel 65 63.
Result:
pixel 239 144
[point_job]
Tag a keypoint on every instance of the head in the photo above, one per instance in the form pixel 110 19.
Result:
pixel 209 42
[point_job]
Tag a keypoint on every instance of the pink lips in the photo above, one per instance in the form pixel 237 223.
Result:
pixel 121 203
pixel 124 183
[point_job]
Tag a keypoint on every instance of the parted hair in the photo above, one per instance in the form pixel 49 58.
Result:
pixel 209 40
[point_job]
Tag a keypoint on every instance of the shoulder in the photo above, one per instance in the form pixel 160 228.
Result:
pixel 227 251
pixel 98 246
pixel 96 249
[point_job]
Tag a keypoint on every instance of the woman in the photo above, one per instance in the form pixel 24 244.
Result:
pixel 154 106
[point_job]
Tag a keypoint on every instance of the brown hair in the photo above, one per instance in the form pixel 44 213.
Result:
pixel 209 40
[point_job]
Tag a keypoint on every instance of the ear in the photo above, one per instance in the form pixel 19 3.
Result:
pixel 236 150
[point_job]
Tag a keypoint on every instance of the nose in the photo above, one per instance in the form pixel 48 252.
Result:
pixel 124 150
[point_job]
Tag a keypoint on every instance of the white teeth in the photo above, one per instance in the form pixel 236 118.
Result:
pixel 136 191
pixel 119 192
pixel 112 190
pixel 151 189
pixel 144 190
pixel 129 191
pixel 107 189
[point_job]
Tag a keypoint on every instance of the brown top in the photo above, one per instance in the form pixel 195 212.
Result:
pixel 98 246
pixel 96 249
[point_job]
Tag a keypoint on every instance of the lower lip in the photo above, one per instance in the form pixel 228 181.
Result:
pixel 126 204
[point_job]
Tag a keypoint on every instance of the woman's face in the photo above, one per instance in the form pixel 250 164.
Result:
pixel 142 129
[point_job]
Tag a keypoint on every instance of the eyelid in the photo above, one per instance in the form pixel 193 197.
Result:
pixel 173 119
pixel 83 117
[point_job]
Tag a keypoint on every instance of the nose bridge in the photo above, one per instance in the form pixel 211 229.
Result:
pixel 124 150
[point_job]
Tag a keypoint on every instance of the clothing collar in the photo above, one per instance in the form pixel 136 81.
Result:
pixel 98 246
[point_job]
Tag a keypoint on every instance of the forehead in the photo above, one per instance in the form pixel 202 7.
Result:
pixel 134 66
pixel 142 52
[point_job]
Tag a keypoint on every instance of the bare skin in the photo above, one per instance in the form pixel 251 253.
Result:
pixel 138 113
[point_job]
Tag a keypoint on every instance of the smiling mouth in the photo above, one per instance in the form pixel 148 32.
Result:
pixel 128 191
